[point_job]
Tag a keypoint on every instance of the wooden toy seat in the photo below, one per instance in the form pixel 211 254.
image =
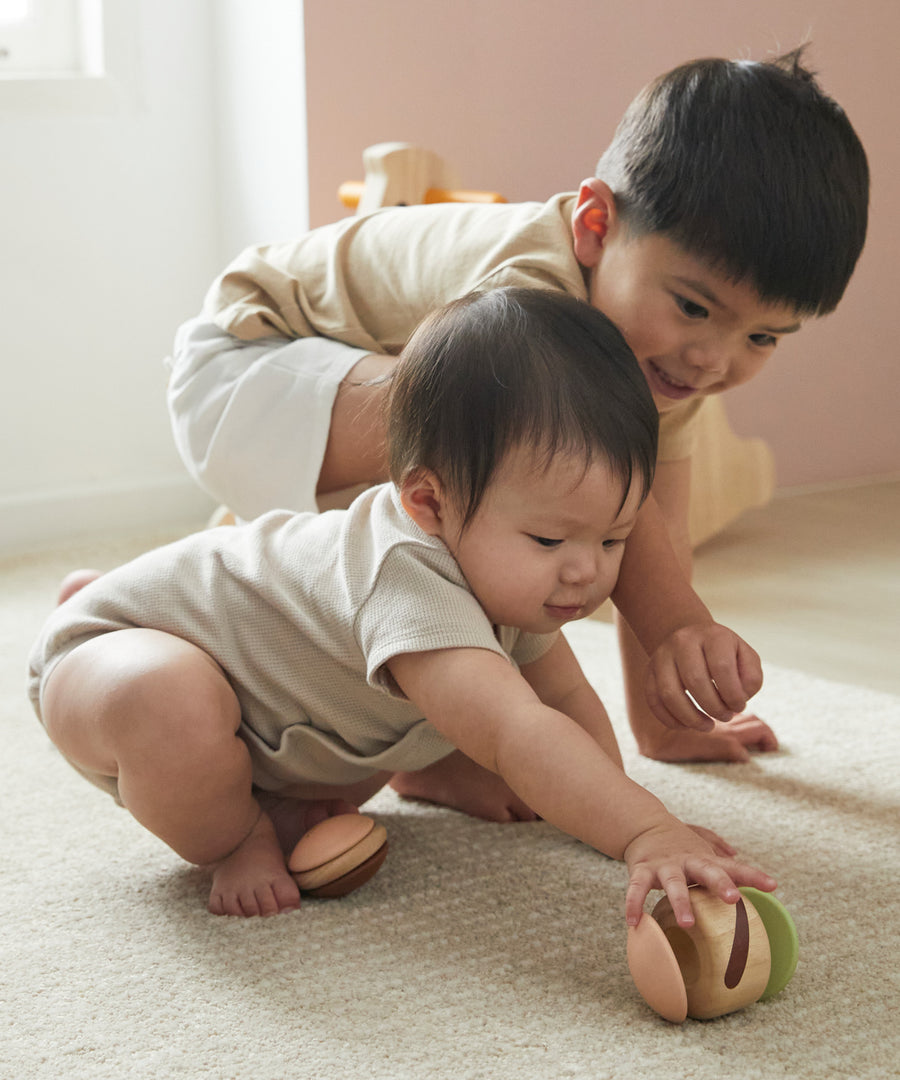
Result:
pixel 400 174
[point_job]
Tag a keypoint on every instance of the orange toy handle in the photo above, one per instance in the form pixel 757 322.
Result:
pixel 350 192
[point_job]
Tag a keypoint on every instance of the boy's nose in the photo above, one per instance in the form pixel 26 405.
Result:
pixel 709 356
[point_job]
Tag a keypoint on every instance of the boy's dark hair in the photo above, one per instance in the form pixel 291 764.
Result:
pixel 518 367
pixel 750 167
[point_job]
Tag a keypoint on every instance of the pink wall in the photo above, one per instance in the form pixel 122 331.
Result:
pixel 522 95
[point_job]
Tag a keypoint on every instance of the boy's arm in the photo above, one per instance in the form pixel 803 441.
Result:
pixel 485 708
pixel 656 569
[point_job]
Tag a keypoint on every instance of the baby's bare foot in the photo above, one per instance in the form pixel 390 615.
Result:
pixel 253 879
pixel 293 818
pixel 462 784
pixel 74 582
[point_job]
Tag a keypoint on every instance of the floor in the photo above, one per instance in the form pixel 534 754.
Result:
pixel 812 581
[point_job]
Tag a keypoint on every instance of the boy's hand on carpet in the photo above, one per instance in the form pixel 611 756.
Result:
pixel 700 674
pixel 672 856
pixel 731 741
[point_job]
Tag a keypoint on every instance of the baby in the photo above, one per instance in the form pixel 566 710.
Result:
pixel 236 687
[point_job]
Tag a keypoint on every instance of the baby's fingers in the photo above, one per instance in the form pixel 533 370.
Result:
pixel 716 842
pixel 671 879
pixel 639 886
pixel 723 878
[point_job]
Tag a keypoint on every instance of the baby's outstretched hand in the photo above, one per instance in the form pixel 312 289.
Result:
pixel 710 663
pixel 672 856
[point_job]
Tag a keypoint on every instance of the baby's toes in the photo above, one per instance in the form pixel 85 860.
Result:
pixel 225 903
pixel 279 896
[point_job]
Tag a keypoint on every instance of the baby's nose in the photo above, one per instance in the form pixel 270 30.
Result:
pixel 580 569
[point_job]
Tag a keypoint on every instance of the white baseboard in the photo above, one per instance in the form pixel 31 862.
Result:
pixel 46 518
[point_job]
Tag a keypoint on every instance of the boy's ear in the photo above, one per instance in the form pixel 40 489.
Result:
pixel 422 496
pixel 594 216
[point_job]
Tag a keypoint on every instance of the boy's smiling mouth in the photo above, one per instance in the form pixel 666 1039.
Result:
pixel 667 385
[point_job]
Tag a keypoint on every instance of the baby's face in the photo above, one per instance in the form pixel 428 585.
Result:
pixel 545 546
pixel 693 331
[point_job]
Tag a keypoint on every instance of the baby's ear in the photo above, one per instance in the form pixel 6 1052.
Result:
pixel 422 496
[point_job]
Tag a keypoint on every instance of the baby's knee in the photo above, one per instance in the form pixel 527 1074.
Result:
pixel 133 692
pixel 177 691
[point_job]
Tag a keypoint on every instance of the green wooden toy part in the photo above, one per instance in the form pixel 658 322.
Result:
pixel 784 944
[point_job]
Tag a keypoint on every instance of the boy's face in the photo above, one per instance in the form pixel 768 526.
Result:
pixel 545 546
pixel 693 331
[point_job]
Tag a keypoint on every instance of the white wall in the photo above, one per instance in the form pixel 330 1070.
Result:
pixel 113 222
pixel 260 97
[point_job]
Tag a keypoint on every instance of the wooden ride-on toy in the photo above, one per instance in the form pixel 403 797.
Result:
pixel 400 174
pixel 733 955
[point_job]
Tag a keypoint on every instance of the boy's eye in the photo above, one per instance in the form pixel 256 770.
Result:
pixel 689 308
pixel 545 541
pixel 764 341
pixel 609 544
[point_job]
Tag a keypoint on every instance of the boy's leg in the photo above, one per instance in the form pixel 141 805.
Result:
pixel 252 420
pixel 159 714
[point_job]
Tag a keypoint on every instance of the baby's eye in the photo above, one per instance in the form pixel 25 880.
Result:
pixel 611 543
pixel 689 308
pixel 545 541
pixel 764 341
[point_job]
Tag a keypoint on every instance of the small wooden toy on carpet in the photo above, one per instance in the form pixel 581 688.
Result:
pixel 733 955
pixel 338 855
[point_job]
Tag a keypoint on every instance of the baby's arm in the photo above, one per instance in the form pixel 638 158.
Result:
pixel 557 679
pixel 557 767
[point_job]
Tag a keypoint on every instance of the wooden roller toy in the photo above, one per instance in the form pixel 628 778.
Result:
pixel 338 855
pixel 733 955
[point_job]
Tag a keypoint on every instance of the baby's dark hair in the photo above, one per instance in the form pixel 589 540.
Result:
pixel 750 167
pixel 508 368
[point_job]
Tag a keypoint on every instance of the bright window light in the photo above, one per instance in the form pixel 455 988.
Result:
pixel 40 37
pixel 13 11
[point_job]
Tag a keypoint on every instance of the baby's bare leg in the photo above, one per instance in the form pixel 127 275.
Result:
pixel 159 714
pixel 462 784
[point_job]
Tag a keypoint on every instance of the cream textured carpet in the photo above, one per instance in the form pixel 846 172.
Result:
pixel 479 951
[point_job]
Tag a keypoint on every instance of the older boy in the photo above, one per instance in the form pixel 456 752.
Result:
pixel 730 207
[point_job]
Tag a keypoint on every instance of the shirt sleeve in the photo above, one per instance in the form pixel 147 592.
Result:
pixel 420 602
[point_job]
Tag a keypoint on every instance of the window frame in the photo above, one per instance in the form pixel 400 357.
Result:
pixel 103 81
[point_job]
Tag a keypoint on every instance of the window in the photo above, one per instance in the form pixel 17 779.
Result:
pixel 40 37
pixel 67 56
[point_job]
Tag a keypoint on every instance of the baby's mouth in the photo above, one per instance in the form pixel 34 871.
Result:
pixel 564 611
